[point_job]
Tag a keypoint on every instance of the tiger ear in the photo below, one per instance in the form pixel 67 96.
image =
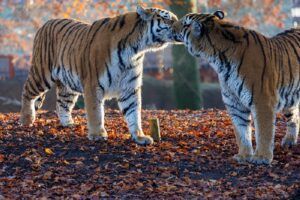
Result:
pixel 197 29
pixel 144 13
pixel 220 14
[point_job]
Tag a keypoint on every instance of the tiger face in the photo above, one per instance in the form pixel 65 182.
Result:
pixel 159 23
pixel 192 27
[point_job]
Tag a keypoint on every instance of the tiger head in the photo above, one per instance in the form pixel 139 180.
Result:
pixel 197 30
pixel 159 25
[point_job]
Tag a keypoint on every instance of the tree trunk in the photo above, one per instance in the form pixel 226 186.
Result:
pixel 186 73
pixel 296 13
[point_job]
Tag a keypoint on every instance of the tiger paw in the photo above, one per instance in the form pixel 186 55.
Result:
pixel 27 120
pixel 288 141
pixel 67 123
pixel 242 158
pixel 143 140
pixel 259 160
pixel 98 136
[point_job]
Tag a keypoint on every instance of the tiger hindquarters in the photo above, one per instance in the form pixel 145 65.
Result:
pixel 293 123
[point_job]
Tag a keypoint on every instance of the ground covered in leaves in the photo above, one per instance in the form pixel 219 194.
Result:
pixel 194 159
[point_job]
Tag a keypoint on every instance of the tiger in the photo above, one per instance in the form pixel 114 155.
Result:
pixel 259 76
pixel 102 60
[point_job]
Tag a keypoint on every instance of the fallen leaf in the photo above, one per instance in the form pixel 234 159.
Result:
pixel 2 158
pixel 48 151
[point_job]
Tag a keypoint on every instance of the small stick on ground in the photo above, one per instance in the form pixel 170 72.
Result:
pixel 154 129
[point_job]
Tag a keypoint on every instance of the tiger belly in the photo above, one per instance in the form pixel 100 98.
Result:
pixel 113 81
pixel 288 97
pixel 67 79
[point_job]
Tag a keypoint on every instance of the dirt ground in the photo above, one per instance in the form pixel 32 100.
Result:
pixel 193 160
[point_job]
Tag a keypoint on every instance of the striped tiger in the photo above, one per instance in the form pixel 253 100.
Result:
pixel 102 60
pixel 258 76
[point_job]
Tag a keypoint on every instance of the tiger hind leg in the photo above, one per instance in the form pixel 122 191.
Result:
pixel 39 101
pixel 66 99
pixel 32 97
pixel 293 121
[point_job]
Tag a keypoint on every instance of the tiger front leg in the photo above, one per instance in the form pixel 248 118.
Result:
pixel 264 120
pixel 293 123
pixel 241 119
pixel 94 105
pixel 130 105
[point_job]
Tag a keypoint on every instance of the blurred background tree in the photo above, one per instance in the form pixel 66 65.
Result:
pixel 185 67
pixel 296 13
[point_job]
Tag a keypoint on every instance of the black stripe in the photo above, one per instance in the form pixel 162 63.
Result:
pixel 252 93
pixel 227 25
pixel 36 82
pixel 137 27
pixel 122 22
pixel 108 74
pixel 291 72
pixel 288 115
pixel 66 95
pixel 119 52
pixel 101 86
pixel 71 49
pixel 128 113
pixel 88 46
pixel 229 36
pixel 241 87
pixel 41 51
pixel 33 88
pixel 61 28
pixel 47 84
pixel 81 34
pixel 241 62
pixel 125 98
pixel 265 63
pixel 63 105
pixel 134 78
pixel 132 105
pixel 53 33
pixel 254 35
pixel 241 118
pixel 234 107
pixel 65 38
pixel 71 81
pixel 30 92
pixel 246 36
pixel 115 24
pixel 294 49
pixel 68 101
